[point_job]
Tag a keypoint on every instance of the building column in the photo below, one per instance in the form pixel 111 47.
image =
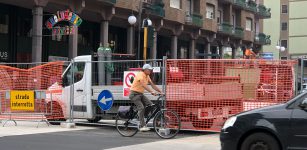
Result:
pixel 221 52
pixel 73 44
pixel 104 33
pixel 233 49
pixel 209 50
pixel 174 49
pixel 130 40
pixel 192 49
pixel 103 77
pixel 154 47
pixel 37 36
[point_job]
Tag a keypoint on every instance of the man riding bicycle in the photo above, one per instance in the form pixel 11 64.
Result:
pixel 137 90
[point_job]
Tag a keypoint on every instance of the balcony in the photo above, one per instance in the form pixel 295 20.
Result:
pixel 194 19
pixel 156 9
pixel 226 1
pixel 262 39
pixel 263 11
pixel 252 6
pixel 113 2
pixel 240 3
pixel 225 28
pixel 238 32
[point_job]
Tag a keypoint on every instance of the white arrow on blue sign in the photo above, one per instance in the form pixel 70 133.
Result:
pixel 105 100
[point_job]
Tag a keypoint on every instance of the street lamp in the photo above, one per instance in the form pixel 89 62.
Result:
pixel 280 48
pixel 146 23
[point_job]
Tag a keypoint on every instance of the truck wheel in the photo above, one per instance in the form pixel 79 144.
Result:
pixel 95 120
pixel 260 141
pixel 54 113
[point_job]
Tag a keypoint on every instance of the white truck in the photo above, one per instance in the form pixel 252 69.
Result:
pixel 84 93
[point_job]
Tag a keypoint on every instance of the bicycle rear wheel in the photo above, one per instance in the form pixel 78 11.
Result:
pixel 126 127
pixel 167 124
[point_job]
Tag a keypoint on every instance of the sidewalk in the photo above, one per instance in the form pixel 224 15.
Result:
pixel 25 128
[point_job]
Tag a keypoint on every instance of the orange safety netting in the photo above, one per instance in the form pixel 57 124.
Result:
pixel 206 92
pixel 31 77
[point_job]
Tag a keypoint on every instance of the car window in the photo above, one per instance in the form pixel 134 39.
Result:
pixel 298 100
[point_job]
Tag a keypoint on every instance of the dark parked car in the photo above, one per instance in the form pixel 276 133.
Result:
pixel 278 127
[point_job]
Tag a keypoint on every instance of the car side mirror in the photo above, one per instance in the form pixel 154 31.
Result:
pixel 303 104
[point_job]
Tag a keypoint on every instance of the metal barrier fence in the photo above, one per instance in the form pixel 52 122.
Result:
pixel 206 92
pixel 24 90
pixel 203 92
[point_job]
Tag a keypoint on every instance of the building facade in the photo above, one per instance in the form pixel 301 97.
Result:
pixel 180 28
pixel 289 17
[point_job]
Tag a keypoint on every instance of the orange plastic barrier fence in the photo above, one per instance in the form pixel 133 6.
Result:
pixel 206 92
pixel 35 78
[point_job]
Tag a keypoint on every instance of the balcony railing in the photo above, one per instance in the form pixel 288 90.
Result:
pixel 252 6
pixel 227 1
pixel 262 39
pixel 263 11
pixel 240 3
pixel 109 1
pixel 194 19
pixel 225 28
pixel 238 32
pixel 154 7
pixel 197 19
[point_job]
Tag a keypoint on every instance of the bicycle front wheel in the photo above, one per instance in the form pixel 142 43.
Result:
pixel 126 127
pixel 167 124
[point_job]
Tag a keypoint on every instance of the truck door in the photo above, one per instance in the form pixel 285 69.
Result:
pixel 74 80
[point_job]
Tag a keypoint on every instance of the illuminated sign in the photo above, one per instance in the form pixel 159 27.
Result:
pixel 61 16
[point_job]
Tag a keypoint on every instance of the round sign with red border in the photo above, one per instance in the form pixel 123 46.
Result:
pixel 128 79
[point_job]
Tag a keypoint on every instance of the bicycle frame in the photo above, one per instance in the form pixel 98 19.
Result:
pixel 156 108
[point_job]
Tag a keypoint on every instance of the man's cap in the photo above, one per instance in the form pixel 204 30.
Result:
pixel 147 66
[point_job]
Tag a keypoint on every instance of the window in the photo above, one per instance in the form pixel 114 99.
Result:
pixel 234 20
pixel 284 43
pixel 175 4
pixel 249 24
pixel 210 11
pixel 219 16
pixel 4 24
pixel 284 26
pixel 284 9
pixel 78 73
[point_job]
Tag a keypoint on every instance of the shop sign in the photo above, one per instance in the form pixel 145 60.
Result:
pixel 4 55
pixel 63 16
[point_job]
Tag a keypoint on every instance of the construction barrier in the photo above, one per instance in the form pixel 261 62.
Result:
pixel 24 91
pixel 206 92
pixel 203 92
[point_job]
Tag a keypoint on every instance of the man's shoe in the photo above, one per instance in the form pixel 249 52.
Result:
pixel 144 129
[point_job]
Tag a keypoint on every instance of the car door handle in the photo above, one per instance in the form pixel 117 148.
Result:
pixel 79 90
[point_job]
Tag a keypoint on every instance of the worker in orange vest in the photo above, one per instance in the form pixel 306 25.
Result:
pixel 249 54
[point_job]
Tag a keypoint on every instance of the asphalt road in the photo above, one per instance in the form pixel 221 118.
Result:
pixel 105 137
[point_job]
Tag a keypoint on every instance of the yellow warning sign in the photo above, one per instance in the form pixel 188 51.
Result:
pixel 22 100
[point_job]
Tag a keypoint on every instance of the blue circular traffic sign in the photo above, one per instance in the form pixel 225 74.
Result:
pixel 105 100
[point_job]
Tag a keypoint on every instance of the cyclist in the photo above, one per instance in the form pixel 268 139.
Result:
pixel 137 96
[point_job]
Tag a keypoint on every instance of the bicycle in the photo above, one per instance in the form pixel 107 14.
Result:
pixel 166 123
